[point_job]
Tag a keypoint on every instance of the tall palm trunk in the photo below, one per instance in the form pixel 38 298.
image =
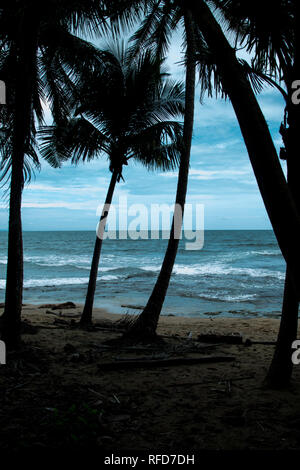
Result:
pixel 262 153
pixel 86 317
pixel 146 324
pixel 26 46
pixel 281 367
pixel 280 371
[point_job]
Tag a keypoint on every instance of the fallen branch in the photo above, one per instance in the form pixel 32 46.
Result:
pixel 250 342
pixel 133 307
pixel 189 384
pixel 149 364
pixel 227 339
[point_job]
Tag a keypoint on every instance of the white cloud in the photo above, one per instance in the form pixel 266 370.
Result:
pixel 210 174
pixel 87 206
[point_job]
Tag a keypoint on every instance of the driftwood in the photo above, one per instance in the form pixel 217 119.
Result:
pixel 153 363
pixel 227 339
pixel 49 312
pixel 133 307
pixel 250 342
pixel 191 384
pixel 62 315
pixel 64 305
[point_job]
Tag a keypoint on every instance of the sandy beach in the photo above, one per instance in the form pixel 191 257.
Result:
pixel 64 374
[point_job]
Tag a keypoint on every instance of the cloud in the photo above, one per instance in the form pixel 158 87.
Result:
pixel 210 174
pixel 91 206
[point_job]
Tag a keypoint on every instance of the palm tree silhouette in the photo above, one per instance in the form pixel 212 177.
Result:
pixel 146 324
pixel 126 111
pixel 275 40
pixel 271 181
pixel 161 20
pixel 38 39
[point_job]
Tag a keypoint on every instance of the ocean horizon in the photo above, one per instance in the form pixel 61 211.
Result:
pixel 237 273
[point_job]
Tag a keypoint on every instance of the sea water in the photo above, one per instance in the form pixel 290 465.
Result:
pixel 236 274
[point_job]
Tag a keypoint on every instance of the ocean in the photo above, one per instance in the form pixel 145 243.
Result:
pixel 236 274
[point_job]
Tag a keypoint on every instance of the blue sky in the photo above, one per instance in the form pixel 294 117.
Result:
pixel 221 177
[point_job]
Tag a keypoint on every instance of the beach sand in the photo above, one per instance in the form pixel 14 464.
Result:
pixel 57 393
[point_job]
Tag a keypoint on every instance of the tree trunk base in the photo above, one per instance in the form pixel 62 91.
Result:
pixel 85 324
pixel 141 333
pixel 278 378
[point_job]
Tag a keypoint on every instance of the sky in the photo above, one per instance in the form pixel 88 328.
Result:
pixel 221 178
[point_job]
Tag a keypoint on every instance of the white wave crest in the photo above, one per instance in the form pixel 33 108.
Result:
pixel 217 269
pixel 68 281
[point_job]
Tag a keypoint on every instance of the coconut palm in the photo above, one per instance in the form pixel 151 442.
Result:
pixel 39 38
pixel 128 111
pixel 161 19
pixel 262 153
pixel 274 39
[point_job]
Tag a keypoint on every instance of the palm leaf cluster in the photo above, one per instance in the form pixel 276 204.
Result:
pixel 126 111
pixel 61 59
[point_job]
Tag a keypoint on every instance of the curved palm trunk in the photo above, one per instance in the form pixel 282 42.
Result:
pixel 27 46
pixel 86 317
pixel 146 324
pixel 280 371
pixel 262 153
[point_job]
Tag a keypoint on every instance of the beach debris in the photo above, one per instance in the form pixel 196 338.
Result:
pixel 235 338
pixel 64 305
pixel 116 398
pixel 96 393
pixel 210 382
pixel 154 356
pixel 250 342
pixel 58 321
pixel 133 307
pixel 49 312
pixel 119 418
pixel 153 363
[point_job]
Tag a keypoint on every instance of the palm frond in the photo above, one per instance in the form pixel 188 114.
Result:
pixel 75 140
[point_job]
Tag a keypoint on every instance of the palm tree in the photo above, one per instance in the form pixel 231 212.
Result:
pixel 274 38
pixel 161 19
pixel 125 112
pixel 262 153
pixel 275 41
pixel 40 36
